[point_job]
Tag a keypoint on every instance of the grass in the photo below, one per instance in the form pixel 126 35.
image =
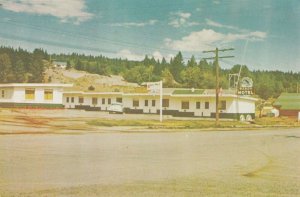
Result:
pixel 279 121
pixel 196 124
pixel 167 124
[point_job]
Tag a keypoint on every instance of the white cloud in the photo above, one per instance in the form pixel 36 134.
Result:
pixel 216 2
pixel 179 19
pixel 208 38
pixel 66 10
pixel 216 24
pixel 157 55
pixel 127 54
pixel 134 24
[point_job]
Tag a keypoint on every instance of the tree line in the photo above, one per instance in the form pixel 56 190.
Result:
pixel 18 65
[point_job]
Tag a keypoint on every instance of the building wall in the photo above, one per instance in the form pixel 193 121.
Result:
pixel 128 103
pixel 8 94
pixel 19 95
pixel 87 100
pixel 234 107
pixel 241 106
pixel 289 113
pixel 202 112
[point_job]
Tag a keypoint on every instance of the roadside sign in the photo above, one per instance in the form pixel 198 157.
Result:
pixel 246 87
pixel 156 88
pixel 153 87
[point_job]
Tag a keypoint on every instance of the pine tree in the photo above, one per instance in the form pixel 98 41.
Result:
pixel 5 68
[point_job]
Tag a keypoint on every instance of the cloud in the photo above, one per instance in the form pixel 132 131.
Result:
pixel 208 38
pixel 216 24
pixel 66 10
pixel 134 24
pixel 216 2
pixel 157 55
pixel 127 54
pixel 179 19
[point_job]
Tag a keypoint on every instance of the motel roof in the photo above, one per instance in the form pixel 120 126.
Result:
pixel 173 92
pixel 288 101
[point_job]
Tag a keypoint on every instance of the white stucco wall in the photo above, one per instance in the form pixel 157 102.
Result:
pixel 241 106
pixel 128 102
pixel 176 105
pixel 233 105
pixel 8 94
pixel 19 95
pixel 87 100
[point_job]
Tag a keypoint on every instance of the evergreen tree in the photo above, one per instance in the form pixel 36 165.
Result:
pixel 5 68
pixel 68 67
pixel 192 62
pixel 176 66
pixel 168 79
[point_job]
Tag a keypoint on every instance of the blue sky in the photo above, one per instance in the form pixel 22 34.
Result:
pixel 264 33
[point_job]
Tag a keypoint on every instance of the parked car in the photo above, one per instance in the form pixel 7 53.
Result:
pixel 116 108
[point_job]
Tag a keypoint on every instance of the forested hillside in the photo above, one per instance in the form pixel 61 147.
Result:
pixel 17 65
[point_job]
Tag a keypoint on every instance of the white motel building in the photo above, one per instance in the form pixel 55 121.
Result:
pixel 176 102
pixel 32 95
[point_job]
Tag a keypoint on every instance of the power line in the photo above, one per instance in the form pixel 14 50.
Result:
pixel 82 36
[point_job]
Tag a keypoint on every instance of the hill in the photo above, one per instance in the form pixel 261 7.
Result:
pixel 82 80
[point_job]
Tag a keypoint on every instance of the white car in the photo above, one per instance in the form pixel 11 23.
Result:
pixel 116 108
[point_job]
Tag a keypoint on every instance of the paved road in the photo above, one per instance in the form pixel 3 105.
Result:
pixel 214 163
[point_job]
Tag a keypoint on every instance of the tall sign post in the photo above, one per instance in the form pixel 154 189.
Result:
pixel 157 88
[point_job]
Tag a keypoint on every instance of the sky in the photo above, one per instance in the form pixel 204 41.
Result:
pixel 265 34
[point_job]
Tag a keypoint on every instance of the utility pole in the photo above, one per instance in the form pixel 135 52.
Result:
pixel 216 58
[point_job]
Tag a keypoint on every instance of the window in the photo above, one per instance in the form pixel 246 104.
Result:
pixel 153 103
pixel 109 101
pixel 29 94
pixel 165 102
pixel 198 105
pixel 146 103
pixel 223 105
pixel 119 100
pixel 80 100
pixel 135 103
pixel 94 101
pixel 2 93
pixel 185 105
pixel 103 101
pixel 48 95
pixel 206 105
pixel 72 100
pixel 68 99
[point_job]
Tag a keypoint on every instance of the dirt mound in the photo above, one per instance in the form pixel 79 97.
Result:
pixel 83 80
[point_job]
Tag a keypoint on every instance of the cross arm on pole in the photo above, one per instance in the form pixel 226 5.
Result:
pixel 226 57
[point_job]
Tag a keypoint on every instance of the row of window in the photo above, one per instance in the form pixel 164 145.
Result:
pixel 184 104
pixel 2 93
pixel 94 100
pixel 136 103
pixel 30 94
